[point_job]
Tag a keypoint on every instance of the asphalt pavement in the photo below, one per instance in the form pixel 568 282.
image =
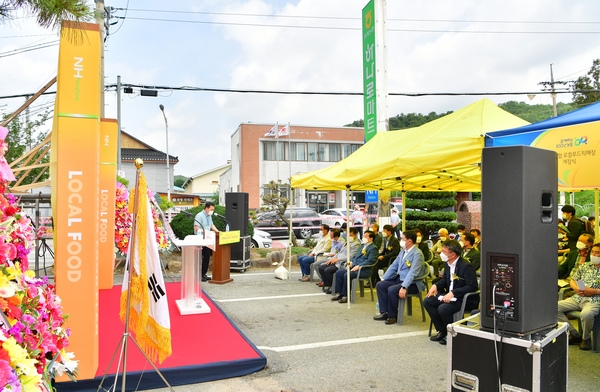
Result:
pixel 314 344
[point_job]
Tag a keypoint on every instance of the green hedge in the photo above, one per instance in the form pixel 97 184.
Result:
pixel 427 195
pixel 430 204
pixel 431 216
pixel 432 226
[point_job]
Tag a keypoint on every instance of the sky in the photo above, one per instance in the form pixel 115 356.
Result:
pixel 434 46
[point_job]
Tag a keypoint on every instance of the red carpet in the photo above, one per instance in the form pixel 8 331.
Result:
pixel 205 347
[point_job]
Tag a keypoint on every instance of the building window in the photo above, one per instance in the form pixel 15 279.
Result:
pixel 269 151
pixel 300 151
pixel 323 153
pixel 313 149
pixel 335 152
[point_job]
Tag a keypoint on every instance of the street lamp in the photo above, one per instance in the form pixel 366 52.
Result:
pixel 162 109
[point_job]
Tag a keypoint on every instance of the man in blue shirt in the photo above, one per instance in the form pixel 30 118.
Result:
pixel 202 223
pixel 399 279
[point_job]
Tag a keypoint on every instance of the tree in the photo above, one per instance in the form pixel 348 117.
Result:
pixel 591 81
pixel 48 13
pixel 179 180
pixel 23 137
pixel 274 200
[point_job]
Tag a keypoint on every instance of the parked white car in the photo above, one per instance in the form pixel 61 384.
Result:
pixel 261 239
pixel 334 217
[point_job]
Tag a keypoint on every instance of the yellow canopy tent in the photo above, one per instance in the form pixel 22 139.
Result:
pixel 444 154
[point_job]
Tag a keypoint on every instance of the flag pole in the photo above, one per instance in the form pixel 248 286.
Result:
pixel 277 151
pixel 139 163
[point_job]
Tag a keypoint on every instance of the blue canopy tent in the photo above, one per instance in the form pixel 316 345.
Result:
pixel 575 136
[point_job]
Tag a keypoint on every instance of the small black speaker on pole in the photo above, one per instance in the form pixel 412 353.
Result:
pixel 519 248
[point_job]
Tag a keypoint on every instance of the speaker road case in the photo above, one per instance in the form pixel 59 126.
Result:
pixel 240 254
pixel 535 363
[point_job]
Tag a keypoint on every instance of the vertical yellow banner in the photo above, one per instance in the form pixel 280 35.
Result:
pixel 75 166
pixel 109 129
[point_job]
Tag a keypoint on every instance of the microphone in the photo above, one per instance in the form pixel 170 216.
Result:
pixel 196 221
pixel 224 218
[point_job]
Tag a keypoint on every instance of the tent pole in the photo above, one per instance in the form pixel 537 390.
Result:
pixel 347 242
pixel 596 215
pixel 403 211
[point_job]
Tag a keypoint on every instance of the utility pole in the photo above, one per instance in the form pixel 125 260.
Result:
pixel 553 91
pixel 100 14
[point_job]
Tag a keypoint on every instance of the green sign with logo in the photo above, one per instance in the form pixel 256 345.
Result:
pixel 369 87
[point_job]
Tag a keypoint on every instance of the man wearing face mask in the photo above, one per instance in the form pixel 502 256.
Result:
pixel 577 257
pixel 399 279
pixel 586 300
pixel 365 255
pixel 445 297
pixel 575 225
pixel 437 250
pixel 328 269
pixel 323 246
pixel 391 248
pixel 203 222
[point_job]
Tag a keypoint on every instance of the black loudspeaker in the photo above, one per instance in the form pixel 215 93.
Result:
pixel 236 210
pixel 519 246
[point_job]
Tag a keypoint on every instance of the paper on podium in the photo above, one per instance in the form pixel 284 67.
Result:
pixel 197 240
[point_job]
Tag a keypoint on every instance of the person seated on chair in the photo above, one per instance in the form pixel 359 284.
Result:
pixel 323 245
pixel 437 250
pixel 587 301
pixel 399 279
pixel 422 244
pixel 469 252
pixel 445 297
pixel 575 225
pixel 328 269
pixel 366 255
pixel 563 241
pixel 477 234
pixel 337 243
pixel 391 248
pixel 577 257
pixel 377 238
pixel 343 231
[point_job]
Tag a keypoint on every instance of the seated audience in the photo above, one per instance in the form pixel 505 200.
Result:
pixel 323 245
pixel 445 297
pixel 337 243
pixel 575 225
pixel 399 279
pixel 477 234
pixel 365 255
pixel 422 244
pixel 328 269
pixel 469 252
pixel 437 250
pixel 577 257
pixel 563 241
pixel 391 248
pixel 586 300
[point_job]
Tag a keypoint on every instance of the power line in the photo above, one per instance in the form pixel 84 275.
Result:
pixel 357 18
pixel 287 26
pixel 113 87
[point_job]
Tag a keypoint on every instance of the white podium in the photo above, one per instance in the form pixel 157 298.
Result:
pixel 191 301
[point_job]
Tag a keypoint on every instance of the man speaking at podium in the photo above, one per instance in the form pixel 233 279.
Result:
pixel 202 222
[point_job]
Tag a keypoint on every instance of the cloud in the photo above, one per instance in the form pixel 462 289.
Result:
pixel 260 57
